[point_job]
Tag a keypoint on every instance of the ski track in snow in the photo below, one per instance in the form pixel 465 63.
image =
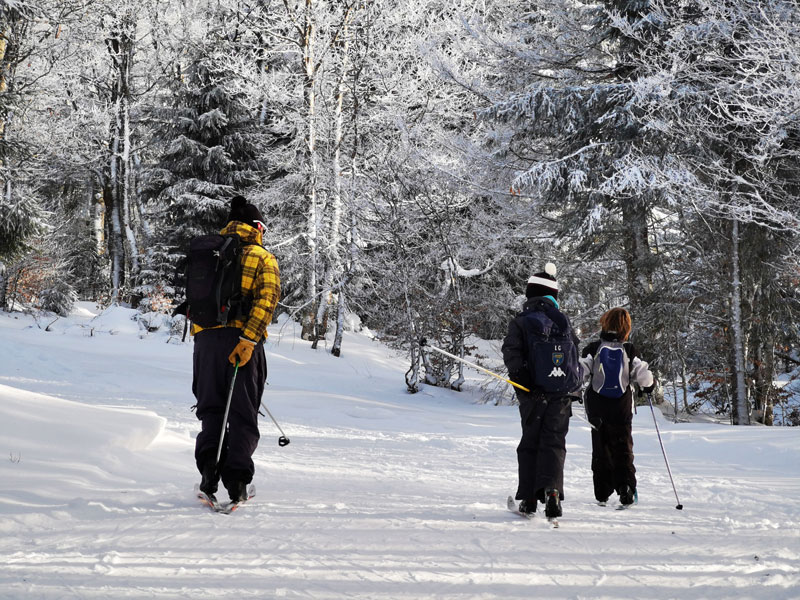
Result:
pixel 380 495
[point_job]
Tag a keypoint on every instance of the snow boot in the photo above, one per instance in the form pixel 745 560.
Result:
pixel 628 496
pixel 527 507
pixel 210 479
pixel 552 506
pixel 238 491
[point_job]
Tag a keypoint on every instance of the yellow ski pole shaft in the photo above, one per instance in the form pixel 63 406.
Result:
pixel 424 343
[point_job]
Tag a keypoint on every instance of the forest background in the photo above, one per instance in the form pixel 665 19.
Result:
pixel 417 161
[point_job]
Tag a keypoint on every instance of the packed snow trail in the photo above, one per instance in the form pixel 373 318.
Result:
pixel 380 495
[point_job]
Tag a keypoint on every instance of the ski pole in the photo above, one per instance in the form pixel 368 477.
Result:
pixel 585 419
pixel 227 409
pixel 679 506
pixel 283 440
pixel 424 342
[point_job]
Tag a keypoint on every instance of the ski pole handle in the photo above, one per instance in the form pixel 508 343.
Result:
pixel 424 342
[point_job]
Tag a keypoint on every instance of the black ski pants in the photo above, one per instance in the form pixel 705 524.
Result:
pixel 543 448
pixel 612 443
pixel 211 382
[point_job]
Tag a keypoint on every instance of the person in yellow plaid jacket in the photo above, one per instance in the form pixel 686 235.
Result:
pixel 217 350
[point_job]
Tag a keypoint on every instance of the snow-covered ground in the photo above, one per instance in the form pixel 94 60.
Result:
pixel 380 495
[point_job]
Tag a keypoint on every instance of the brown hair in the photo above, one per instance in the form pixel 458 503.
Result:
pixel 617 320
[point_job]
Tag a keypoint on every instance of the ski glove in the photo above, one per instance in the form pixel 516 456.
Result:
pixel 242 352
pixel 649 389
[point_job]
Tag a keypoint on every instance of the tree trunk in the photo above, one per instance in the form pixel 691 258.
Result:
pixel 638 261
pixel 117 191
pixel 763 344
pixel 333 255
pixel 126 207
pixel 3 282
pixel 309 97
pixel 740 408
pixel 336 350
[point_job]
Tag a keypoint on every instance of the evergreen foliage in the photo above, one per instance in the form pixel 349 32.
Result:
pixel 211 152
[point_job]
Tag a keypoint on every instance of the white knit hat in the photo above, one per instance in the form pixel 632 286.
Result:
pixel 544 283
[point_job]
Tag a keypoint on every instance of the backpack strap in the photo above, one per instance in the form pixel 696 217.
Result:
pixel 631 350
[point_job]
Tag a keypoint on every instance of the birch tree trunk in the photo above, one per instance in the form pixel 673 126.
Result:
pixel 309 98
pixel 117 192
pixel 740 408
pixel 341 304
pixel 128 200
pixel 333 256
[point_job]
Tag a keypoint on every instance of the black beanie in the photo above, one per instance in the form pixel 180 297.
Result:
pixel 245 212
pixel 543 284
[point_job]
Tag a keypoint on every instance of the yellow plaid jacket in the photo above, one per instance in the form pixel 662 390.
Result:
pixel 261 281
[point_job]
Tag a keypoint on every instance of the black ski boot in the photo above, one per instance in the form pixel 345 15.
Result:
pixel 210 480
pixel 552 506
pixel 238 491
pixel 627 495
pixel 527 507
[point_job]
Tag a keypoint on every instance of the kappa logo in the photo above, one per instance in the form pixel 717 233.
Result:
pixel 557 372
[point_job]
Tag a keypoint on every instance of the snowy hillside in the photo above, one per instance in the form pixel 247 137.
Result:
pixel 380 495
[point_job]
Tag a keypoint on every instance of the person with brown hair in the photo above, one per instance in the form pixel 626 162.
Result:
pixel 612 364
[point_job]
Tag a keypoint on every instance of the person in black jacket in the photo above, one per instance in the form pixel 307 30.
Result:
pixel 544 414
pixel 609 406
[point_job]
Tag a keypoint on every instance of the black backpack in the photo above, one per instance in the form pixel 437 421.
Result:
pixel 552 355
pixel 214 281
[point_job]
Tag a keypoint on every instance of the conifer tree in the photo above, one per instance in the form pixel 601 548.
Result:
pixel 210 152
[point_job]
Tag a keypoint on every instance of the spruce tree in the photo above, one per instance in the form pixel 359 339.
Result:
pixel 210 152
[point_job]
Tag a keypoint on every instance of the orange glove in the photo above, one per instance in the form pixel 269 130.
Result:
pixel 242 352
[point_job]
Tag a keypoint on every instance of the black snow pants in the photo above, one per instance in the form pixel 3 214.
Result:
pixel 612 443
pixel 211 382
pixel 543 447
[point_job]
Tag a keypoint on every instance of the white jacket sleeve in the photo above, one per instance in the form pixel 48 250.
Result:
pixel 641 374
